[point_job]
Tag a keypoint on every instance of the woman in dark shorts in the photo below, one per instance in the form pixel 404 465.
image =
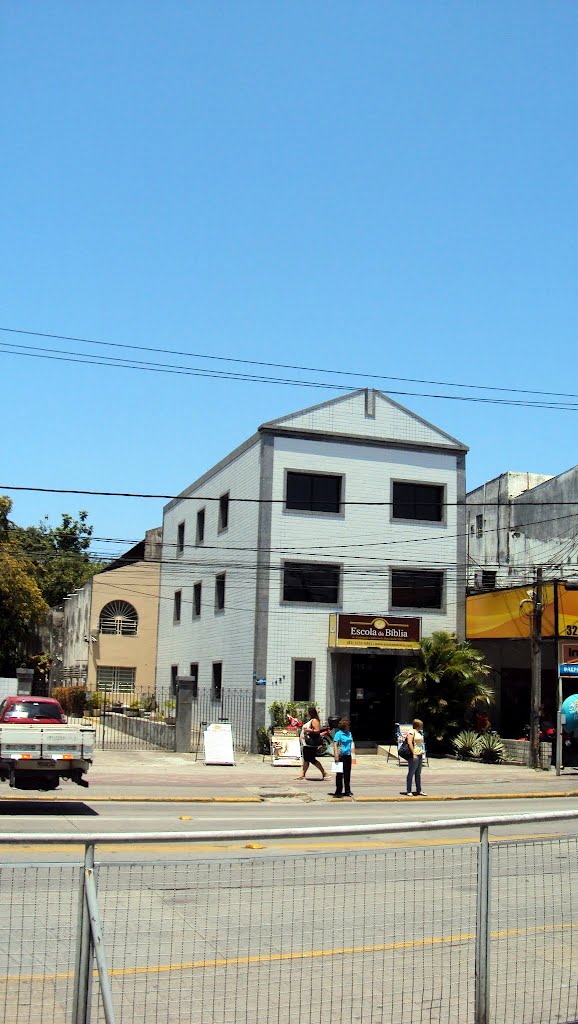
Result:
pixel 311 739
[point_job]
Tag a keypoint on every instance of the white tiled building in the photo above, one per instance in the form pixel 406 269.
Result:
pixel 347 508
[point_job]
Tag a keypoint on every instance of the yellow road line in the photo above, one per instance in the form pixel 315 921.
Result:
pixel 357 844
pixel 302 954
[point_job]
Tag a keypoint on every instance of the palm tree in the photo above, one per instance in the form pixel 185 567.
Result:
pixel 445 682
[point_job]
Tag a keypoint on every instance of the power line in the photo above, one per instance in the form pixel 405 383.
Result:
pixel 268 501
pixel 58 355
pixel 284 366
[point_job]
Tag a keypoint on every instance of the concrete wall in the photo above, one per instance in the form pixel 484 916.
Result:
pixel 526 522
pixel 75 634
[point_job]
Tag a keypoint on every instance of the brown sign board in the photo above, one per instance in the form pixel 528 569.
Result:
pixel 381 631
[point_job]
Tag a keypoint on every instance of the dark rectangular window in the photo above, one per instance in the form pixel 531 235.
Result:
pixel 217 689
pixel 418 501
pixel 200 534
pixel 313 492
pixel 177 606
pixel 220 592
pixel 180 538
pixel 416 588
pixel 174 674
pixel 223 512
pixel 197 593
pixel 479 526
pixel 302 673
pixel 194 674
pixel 311 582
pixel 488 579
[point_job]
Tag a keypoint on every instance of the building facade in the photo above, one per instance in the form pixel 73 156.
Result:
pixel 520 521
pixel 108 629
pixel 314 556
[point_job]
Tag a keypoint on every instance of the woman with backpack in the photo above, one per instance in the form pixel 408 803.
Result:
pixel 344 753
pixel 311 740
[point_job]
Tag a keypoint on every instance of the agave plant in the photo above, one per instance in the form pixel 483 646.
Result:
pixel 491 749
pixel 467 744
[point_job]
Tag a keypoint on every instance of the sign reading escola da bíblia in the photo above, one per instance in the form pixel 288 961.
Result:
pixel 383 631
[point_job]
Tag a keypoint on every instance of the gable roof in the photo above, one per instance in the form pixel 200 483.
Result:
pixel 365 415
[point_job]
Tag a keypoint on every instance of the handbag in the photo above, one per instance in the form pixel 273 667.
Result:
pixel 312 738
pixel 404 751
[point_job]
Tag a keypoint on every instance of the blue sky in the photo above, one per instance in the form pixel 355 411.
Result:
pixel 383 188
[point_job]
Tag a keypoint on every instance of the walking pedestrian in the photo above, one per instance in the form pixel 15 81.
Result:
pixel 344 752
pixel 311 740
pixel 414 764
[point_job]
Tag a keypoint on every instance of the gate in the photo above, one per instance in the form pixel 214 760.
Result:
pixel 145 720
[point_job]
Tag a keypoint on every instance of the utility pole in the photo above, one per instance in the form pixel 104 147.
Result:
pixel 536 685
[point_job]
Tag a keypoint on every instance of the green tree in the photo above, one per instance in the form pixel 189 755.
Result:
pixel 21 601
pixel 60 555
pixel 39 565
pixel 444 683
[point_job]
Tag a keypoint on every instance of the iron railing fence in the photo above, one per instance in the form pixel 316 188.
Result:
pixel 235 707
pixel 454 933
pixel 145 719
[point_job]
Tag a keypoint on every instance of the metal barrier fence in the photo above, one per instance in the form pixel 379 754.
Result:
pixel 452 933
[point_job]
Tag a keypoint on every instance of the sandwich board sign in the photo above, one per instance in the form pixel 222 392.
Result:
pixel 218 744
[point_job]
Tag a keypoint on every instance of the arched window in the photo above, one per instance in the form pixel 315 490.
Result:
pixel 118 618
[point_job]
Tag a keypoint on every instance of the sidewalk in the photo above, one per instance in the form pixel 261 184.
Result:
pixel 157 775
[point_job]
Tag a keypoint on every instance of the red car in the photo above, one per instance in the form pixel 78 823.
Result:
pixel 31 711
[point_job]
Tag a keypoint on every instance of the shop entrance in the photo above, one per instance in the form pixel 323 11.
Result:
pixel 372 698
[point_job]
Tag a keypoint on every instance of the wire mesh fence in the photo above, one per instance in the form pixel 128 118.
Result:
pixel 534 911
pixel 366 936
pixel 38 921
pixel 314 939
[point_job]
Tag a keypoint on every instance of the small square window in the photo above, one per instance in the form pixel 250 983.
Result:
pixel 177 606
pixel 417 501
pixel 180 538
pixel 200 534
pixel 197 595
pixel 220 592
pixel 223 512
pixel 416 588
pixel 311 582
pixel 313 492
pixel 217 681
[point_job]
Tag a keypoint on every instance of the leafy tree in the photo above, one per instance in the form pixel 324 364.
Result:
pixel 60 555
pixel 39 565
pixel 444 683
pixel 21 607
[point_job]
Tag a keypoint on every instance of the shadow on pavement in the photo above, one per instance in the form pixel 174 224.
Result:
pixel 47 807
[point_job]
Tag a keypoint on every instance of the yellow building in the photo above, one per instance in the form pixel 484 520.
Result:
pixel 109 638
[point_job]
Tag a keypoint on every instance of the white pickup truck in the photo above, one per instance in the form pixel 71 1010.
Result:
pixel 36 753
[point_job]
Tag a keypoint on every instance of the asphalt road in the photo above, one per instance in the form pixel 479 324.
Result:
pixel 85 818
pixel 321 930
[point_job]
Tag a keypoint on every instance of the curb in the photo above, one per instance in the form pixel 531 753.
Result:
pixel 134 799
pixel 468 796
pixel 291 796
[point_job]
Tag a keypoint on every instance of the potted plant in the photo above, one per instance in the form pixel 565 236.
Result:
pixel 169 712
pixel 134 709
